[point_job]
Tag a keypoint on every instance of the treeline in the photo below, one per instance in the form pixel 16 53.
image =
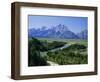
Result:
pixel 34 57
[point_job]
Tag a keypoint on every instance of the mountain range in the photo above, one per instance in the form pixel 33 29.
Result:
pixel 59 31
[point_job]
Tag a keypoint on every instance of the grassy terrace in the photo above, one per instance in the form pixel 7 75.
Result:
pixel 70 41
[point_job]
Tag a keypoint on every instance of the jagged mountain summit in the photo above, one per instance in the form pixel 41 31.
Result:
pixel 59 31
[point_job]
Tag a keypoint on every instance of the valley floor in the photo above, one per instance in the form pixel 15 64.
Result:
pixel 71 52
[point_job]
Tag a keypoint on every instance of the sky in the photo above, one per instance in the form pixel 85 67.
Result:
pixel 75 24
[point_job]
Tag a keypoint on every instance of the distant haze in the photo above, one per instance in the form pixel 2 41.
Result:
pixel 75 24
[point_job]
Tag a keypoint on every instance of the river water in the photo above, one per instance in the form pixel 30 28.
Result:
pixel 56 49
pixel 60 48
pixel 53 50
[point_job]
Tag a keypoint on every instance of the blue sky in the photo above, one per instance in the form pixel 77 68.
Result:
pixel 75 24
